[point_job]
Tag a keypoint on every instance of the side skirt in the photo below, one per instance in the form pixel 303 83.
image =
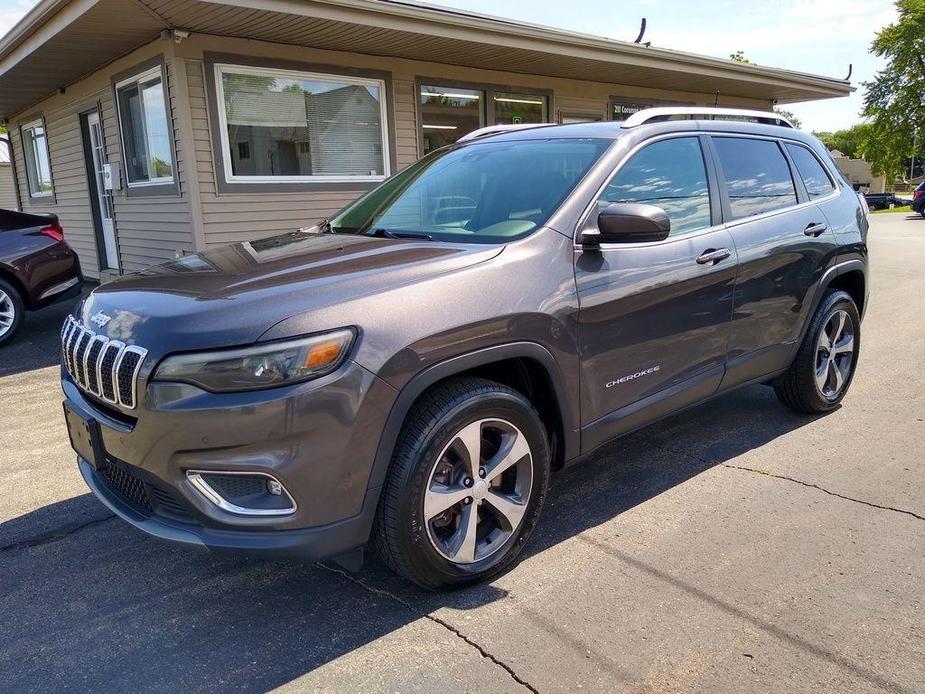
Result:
pixel 644 413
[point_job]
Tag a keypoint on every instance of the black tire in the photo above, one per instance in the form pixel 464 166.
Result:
pixel 15 301
pixel 798 388
pixel 402 537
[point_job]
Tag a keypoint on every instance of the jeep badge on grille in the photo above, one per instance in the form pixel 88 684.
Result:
pixel 100 319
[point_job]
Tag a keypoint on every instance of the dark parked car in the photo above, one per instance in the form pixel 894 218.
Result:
pixel 37 267
pixel 882 201
pixel 411 371
pixel 918 199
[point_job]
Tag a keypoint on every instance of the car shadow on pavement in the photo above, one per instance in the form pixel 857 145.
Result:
pixel 36 346
pixel 88 603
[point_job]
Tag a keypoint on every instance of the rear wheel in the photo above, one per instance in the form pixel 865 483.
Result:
pixel 821 374
pixel 11 311
pixel 467 482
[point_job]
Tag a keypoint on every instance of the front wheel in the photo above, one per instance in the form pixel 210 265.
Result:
pixel 466 486
pixel 823 369
pixel 11 311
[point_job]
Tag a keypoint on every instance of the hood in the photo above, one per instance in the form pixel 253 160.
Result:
pixel 232 295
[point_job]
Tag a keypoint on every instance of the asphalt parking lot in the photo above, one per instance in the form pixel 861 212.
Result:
pixel 736 547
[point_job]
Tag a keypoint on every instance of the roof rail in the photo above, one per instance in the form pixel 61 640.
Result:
pixel 663 113
pixel 498 129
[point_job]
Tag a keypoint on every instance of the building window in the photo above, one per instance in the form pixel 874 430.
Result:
pixel 38 164
pixel 299 126
pixel 145 128
pixel 448 113
pixel 515 109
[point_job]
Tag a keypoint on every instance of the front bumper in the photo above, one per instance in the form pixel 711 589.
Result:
pixel 318 439
pixel 307 543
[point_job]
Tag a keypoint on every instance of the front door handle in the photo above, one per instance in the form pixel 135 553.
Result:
pixel 815 229
pixel 713 255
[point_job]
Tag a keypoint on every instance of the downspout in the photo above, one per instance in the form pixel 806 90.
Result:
pixel 9 147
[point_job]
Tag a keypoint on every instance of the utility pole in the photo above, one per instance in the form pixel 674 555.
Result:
pixel 915 136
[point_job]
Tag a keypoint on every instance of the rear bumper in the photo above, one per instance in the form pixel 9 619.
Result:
pixel 308 543
pixel 66 290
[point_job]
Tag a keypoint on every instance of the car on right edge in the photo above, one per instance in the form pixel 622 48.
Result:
pixel 407 373
pixel 918 199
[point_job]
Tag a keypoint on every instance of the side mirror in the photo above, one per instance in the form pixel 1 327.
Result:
pixel 627 222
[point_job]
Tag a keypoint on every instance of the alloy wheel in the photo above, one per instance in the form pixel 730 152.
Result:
pixel 7 313
pixel 835 354
pixel 478 490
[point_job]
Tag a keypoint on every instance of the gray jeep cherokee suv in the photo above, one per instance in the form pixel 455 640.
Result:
pixel 407 373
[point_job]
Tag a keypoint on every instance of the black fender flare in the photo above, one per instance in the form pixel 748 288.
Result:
pixel 454 365
pixel 825 282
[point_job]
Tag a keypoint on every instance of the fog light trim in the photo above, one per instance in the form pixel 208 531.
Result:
pixel 200 484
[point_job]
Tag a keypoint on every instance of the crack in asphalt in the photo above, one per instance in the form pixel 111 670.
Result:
pixel 53 535
pixel 811 485
pixel 446 625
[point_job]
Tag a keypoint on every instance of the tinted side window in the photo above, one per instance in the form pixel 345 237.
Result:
pixel 669 174
pixel 757 176
pixel 817 181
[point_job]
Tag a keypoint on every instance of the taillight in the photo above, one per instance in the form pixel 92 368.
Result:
pixel 917 194
pixel 54 232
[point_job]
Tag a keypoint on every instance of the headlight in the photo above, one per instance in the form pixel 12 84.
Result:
pixel 260 366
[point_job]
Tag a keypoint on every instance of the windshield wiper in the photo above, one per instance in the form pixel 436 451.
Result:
pixel 387 234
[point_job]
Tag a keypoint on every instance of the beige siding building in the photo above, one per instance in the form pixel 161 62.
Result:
pixel 859 174
pixel 7 189
pixel 155 128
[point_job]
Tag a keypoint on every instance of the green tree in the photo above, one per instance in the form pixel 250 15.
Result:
pixel 849 141
pixel 739 57
pixel 894 101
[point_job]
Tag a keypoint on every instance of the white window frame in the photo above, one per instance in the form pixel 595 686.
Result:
pixel 157 71
pixel 221 68
pixel 31 164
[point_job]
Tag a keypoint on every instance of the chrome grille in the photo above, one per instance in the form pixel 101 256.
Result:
pixel 103 367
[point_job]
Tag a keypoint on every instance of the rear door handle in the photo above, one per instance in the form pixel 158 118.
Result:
pixel 815 229
pixel 714 256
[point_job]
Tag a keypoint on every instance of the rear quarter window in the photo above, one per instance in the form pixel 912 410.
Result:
pixel 757 176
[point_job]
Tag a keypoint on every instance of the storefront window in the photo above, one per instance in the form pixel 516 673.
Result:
pixel 281 125
pixel 448 113
pixel 514 109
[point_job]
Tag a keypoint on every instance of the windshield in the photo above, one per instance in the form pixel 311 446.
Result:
pixel 490 192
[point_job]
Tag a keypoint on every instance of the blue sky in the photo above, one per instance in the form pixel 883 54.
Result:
pixel 817 36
